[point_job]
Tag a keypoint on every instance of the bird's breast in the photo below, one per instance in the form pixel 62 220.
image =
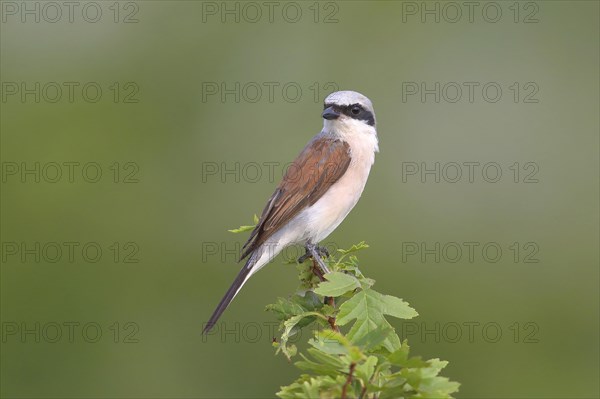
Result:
pixel 333 207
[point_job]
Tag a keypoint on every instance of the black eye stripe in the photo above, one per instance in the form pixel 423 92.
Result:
pixel 363 115
pixel 346 109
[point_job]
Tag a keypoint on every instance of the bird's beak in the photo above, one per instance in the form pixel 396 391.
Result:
pixel 330 113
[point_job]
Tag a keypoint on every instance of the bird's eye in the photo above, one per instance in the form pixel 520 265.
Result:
pixel 355 110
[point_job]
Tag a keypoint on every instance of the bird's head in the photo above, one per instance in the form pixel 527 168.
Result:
pixel 348 109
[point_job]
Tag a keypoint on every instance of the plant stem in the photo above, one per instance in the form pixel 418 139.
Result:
pixel 331 300
pixel 362 393
pixel 364 390
pixel 349 380
pixel 332 324
pixel 317 271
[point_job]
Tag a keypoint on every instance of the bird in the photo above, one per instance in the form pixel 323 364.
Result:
pixel 317 191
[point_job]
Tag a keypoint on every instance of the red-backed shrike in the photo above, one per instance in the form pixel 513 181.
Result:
pixel 318 190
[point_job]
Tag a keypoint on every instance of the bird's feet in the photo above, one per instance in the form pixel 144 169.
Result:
pixel 316 252
pixel 323 252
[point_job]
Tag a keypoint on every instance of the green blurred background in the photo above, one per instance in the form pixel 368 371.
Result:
pixel 174 219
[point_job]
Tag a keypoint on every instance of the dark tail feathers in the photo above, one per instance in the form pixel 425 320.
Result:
pixel 230 294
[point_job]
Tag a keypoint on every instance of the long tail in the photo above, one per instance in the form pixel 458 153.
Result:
pixel 239 281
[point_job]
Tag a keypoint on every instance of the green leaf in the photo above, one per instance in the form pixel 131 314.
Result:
pixel 400 358
pixel 319 387
pixel 241 229
pixel 334 342
pixel 337 284
pixel 396 307
pixel 328 335
pixel 309 301
pixel 427 382
pixel 290 327
pixel 365 370
pixel 354 248
pixel 311 366
pixel 368 308
pixel 325 365
pixel 438 387
pixel 435 366
pixel 374 338
pixel 285 308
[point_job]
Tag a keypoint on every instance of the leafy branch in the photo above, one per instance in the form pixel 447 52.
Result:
pixel 354 351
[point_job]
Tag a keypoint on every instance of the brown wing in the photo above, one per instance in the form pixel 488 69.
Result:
pixel 322 162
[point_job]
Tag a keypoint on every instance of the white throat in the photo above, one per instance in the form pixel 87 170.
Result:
pixel 361 137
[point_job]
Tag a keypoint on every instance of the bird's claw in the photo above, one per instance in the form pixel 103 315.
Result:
pixel 321 251
pixel 315 252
